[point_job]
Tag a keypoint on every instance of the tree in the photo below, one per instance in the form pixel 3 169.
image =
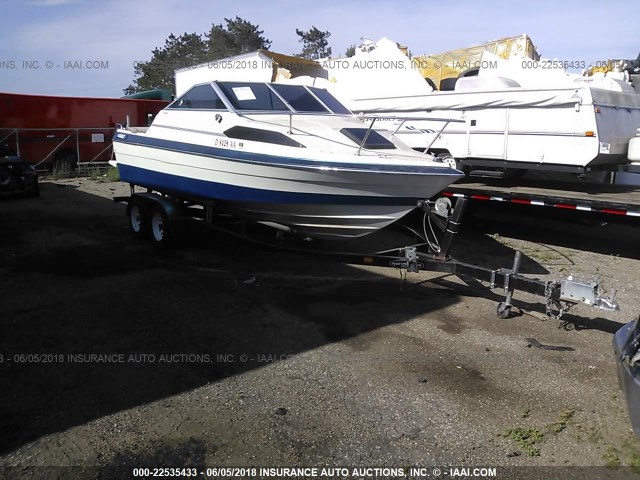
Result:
pixel 315 43
pixel 238 36
pixel 177 52
pixel 351 51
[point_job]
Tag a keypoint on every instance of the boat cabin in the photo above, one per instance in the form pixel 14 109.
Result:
pixel 280 99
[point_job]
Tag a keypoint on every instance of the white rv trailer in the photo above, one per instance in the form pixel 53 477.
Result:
pixel 516 116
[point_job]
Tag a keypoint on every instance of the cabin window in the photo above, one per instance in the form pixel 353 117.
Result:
pixel 201 97
pixel 252 96
pixel 260 135
pixel 330 101
pixel 299 98
pixel 375 141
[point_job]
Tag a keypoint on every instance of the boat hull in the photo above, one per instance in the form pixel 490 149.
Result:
pixel 318 201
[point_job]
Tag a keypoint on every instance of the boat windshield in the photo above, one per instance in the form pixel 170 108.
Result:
pixel 246 96
pixel 252 96
pixel 200 97
pixel 300 99
pixel 330 101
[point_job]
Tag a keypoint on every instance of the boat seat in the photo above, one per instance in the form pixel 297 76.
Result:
pixel 138 129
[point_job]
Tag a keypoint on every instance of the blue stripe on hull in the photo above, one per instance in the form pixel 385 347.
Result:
pixel 220 191
pixel 271 160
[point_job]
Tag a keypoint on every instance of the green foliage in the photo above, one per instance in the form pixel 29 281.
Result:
pixel 634 461
pixel 95 174
pixel 561 424
pixel 315 43
pixel 100 174
pixel 239 36
pixel 63 170
pixel 351 51
pixel 177 52
pixel 113 175
pixel 526 439
pixel 188 49
pixel 611 458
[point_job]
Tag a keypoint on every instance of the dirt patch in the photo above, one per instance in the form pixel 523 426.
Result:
pixel 196 350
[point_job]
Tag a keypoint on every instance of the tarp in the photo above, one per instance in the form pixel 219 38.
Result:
pixel 258 66
pixel 376 70
pixel 467 100
pixel 440 66
pixel 545 73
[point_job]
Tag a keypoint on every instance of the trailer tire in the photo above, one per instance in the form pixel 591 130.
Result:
pixel 160 228
pixel 137 213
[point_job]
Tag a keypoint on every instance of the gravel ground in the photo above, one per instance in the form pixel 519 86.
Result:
pixel 218 353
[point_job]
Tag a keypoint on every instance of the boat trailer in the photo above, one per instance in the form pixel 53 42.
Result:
pixel 559 296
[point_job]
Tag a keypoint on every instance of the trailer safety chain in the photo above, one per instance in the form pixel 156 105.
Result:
pixel 552 304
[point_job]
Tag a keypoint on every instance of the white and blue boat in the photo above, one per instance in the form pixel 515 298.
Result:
pixel 291 155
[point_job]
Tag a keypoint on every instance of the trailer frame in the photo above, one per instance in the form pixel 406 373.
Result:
pixel 155 214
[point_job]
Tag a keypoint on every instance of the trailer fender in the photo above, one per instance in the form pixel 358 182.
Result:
pixel 151 199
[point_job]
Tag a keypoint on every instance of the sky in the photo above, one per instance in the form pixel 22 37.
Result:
pixel 43 42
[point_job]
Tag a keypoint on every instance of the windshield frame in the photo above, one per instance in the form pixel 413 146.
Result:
pixel 222 92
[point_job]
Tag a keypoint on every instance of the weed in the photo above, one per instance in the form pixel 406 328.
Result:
pixel 526 439
pixel 101 175
pixel 611 457
pixel 595 436
pixel 561 424
pixel 95 174
pixel 63 171
pixel 113 175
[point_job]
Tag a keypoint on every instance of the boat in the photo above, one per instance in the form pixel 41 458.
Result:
pixel 288 155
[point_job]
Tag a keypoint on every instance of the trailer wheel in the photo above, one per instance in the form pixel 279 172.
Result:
pixel 503 310
pixel 137 214
pixel 160 226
